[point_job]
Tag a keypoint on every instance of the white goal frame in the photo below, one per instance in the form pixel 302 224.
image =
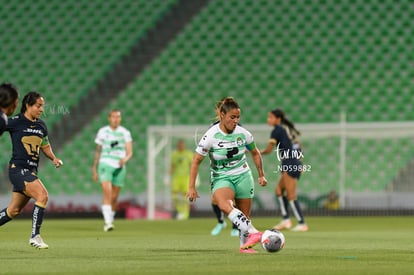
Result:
pixel 159 138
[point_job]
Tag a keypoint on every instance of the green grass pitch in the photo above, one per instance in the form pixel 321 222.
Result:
pixel 334 245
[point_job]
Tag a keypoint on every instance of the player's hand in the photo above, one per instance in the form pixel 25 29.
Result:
pixel 262 181
pixel 192 195
pixel 122 162
pixel 57 162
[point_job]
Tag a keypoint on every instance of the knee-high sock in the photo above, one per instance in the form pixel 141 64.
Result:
pixel 107 213
pixel 242 222
pixel 297 211
pixel 218 213
pixel 37 219
pixel 283 204
pixel 4 217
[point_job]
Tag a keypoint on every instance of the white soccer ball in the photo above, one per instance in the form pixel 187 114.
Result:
pixel 272 240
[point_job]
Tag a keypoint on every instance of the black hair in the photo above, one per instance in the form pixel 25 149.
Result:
pixel 8 95
pixel 228 104
pixel 29 99
pixel 280 114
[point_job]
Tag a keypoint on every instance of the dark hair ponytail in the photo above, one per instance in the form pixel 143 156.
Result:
pixel 8 95
pixel 280 114
pixel 228 104
pixel 29 99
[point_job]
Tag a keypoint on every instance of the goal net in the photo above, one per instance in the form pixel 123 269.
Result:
pixel 366 165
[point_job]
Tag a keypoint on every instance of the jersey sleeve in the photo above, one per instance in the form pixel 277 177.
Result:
pixel 99 137
pixel 45 139
pixel 204 145
pixel 128 137
pixel 275 135
pixel 250 144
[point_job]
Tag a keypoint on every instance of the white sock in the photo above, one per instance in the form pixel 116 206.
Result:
pixel 252 229
pixel 240 220
pixel 107 213
pixel 113 216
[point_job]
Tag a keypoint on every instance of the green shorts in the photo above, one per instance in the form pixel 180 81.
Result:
pixel 114 175
pixel 242 185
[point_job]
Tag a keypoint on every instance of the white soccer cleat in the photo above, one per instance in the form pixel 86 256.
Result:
pixel 284 224
pixel 108 227
pixel 37 242
pixel 300 228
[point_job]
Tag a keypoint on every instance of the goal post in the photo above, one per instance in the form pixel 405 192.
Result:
pixel 361 162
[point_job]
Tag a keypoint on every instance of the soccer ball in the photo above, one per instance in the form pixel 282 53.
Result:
pixel 272 240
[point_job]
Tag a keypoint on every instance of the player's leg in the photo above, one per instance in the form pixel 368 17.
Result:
pixel 118 181
pixel 244 197
pixel 107 205
pixel 38 192
pixel 17 203
pixel 294 203
pixel 221 224
pixel 114 200
pixel 106 173
pixel 283 204
pixel 224 197
pixel 183 206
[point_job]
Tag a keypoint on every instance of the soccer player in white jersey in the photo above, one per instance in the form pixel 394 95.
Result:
pixel 113 150
pixel 231 177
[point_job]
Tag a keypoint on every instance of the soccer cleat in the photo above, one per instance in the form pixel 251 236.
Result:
pixel 218 228
pixel 108 227
pixel 248 251
pixel 252 240
pixel 234 232
pixel 284 224
pixel 300 228
pixel 37 242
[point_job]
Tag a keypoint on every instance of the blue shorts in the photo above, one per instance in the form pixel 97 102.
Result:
pixel 293 167
pixel 19 176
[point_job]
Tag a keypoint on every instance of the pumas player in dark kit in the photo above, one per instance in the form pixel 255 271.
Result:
pixel 29 136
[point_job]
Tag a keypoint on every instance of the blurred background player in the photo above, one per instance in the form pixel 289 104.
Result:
pixel 231 177
pixel 285 137
pixel 180 172
pixel 113 150
pixel 29 135
pixel 9 99
pixel 221 223
pixel 332 201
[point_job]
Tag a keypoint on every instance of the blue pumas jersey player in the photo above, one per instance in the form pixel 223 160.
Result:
pixel 29 136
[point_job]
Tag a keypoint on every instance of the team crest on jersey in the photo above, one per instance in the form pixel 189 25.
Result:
pixel 239 141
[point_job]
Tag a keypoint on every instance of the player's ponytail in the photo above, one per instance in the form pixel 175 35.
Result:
pixel 228 103
pixel 280 114
pixel 8 95
pixel 29 99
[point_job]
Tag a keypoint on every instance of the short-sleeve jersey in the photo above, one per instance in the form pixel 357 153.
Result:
pixel 27 137
pixel 113 144
pixel 181 161
pixel 226 151
pixel 280 136
pixel 286 148
pixel 3 122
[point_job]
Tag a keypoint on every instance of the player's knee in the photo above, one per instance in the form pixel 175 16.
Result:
pixel 226 206
pixel 13 211
pixel 43 198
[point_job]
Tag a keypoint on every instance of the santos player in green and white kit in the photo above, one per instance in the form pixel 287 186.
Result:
pixel 113 150
pixel 231 177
